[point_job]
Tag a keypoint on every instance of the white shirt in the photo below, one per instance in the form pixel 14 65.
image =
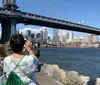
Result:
pixel 28 64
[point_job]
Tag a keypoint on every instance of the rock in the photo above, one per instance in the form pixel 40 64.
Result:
pixel 59 74
pixel 85 79
pixel 48 69
pixel 67 78
pixel 98 81
pixel 72 78
pixel 72 73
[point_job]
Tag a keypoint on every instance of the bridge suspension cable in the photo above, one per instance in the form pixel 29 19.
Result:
pixel 18 4
pixel 34 6
pixel 21 4
pixel 65 16
pixel 50 8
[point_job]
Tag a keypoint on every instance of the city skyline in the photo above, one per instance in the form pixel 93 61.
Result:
pixel 37 30
pixel 59 33
pixel 51 34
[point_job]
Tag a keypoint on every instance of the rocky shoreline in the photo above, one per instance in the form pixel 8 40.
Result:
pixel 67 77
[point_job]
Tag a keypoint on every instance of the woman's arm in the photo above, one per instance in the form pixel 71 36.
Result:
pixel 28 46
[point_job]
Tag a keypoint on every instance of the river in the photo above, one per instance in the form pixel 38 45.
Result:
pixel 86 61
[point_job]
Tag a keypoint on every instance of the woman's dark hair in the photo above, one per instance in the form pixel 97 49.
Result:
pixel 37 53
pixel 34 47
pixel 2 51
pixel 17 43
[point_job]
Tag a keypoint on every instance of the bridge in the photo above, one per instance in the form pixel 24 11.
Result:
pixel 10 16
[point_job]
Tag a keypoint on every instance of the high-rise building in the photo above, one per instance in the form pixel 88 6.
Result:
pixel 45 34
pixel 67 36
pixel 61 36
pixel 33 35
pixel 28 33
pixel 92 38
pixel 55 35
pixel 70 36
pixel 41 32
pixel 64 38
pixel 38 35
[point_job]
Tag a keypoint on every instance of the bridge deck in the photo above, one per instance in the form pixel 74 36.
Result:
pixel 33 19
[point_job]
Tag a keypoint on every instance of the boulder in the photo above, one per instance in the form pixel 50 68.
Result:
pixel 48 69
pixel 72 78
pixel 97 81
pixel 59 74
pixel 85 79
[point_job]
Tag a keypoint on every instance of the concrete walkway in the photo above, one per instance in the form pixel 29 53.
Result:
pixel 46 80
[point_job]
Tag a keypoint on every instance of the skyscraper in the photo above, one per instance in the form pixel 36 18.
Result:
pixel 92 38
pixel 61 36
pixel 55 35
pixel 67 35
pixel 28 33
pixel 45 34
pixel 70 36
pixel 41 32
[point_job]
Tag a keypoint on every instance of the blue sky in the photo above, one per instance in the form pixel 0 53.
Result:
pixel 73 10
pixel 87 11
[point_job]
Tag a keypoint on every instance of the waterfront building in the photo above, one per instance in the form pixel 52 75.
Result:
pixel 94 38
pixel 45 34
pixel 55 35
pixel 38 38
pixel 49 38
pixel 32 35
pixel 71 36
pixel 67 36
pixel 28 33
pixel 90 38
pixel 41 32
pixel 61 36
pixel 38 35
pixel 64 37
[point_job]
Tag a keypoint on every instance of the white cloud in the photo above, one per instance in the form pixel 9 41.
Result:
pixel 63 32
pixel 43 28
pixel 35 31
pixel 27 28
pixel 50 35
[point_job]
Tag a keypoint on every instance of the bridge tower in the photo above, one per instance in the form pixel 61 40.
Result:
pixel 8 24
pixel 9 4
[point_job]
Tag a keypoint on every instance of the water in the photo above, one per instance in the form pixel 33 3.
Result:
pixel 86 61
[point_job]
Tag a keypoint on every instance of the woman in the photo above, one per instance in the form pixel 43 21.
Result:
pixel 27 64
pixel 36 51
pixel 3 54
